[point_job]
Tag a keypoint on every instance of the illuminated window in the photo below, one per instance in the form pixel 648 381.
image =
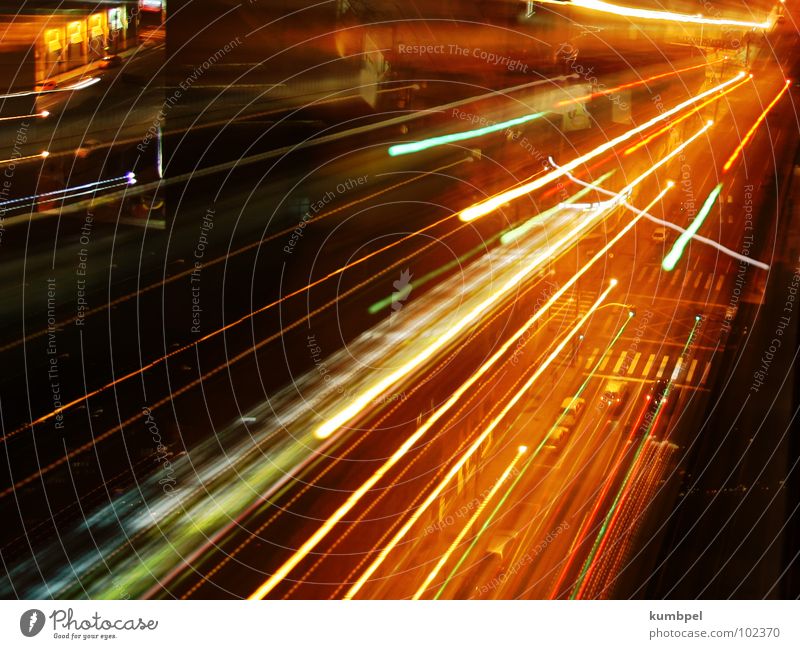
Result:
pixel 116 19
pixel 74 33
pixel 96 26
pixel 53 39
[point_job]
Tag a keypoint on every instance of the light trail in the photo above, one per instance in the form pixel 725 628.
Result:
pixel 312 542
pixel 616 508
pixel 468 526
pixel 631 84
pixel 80 85
pixel 330 523
pixel 587 523
pixel 668 224
pixel 491 204
pixel 651 14
pixel 749 135
pixel 307 484
pixel 670 184
pixel 530 460
pixel 323 531
pixel 512 235
pixel 674 255
pixel 505 237
pixel 368 396
pixel 128 179
pixel 43 113
pixel 22 158
pixel 475 446
pixel 421 145
pixel 694 111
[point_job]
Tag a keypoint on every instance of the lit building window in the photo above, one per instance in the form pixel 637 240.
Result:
pixel 53 39
pixel 74 32
pixel 96 26
pixel 116 19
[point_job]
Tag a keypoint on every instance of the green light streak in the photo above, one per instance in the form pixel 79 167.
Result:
pixel 530 460
pixel 421 145
pixel 604 527
pixel 674 256
pixel 513 234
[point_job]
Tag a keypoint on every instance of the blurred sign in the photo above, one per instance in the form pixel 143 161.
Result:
pixel 576 118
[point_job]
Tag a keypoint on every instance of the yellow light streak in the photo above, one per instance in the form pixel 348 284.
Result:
pixel 694 110
pixel 475 446
pixel 652 14
pixel 457 541
pixel 356 496
pixel 491 204
pixel 749 135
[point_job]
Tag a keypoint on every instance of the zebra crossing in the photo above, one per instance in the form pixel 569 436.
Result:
pixel 572 307
pixel 647 366
pixel 691 278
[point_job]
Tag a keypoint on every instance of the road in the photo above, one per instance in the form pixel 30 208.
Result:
pixel 325 380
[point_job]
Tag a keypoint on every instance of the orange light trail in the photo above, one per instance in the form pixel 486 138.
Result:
pixel 356 496
pixel 671 125
pixel 631 84
pixel 468 526
pixel 651 14
pixel 369 395
pixel 42 154
pixel 351 502
pixel 485 207
pixel 622 500
pixel 582 533
pixel 749 135
pixel 475 446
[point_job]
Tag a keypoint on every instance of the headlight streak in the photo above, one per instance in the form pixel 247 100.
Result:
pixel 58 194
pixel 325 450
pixel 749 135
pixel 368 396
pixel 694 111
pixel 22 158
pixel 650 14
pixel 491 204
pixel 40 114
pixel 632 84
pixel 468 526
pixel 533 456
pixel 475 446
pixel 421 145
pixel 80 85
pixel 329 524
pixel 675 254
